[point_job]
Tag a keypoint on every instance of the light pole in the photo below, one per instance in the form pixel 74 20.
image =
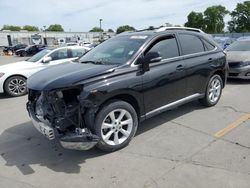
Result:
pixel 45 39
pixel 100 20
pixel 100 37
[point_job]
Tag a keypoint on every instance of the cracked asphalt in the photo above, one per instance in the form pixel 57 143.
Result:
pixel 177 149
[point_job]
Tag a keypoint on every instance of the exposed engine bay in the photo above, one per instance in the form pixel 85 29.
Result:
pixel 60 114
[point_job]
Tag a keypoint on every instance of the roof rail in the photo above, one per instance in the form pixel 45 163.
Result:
pixel 179 28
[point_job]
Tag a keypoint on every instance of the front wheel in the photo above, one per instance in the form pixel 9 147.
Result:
pixel 116 124
pixel 15 86
pixel 24 54
pixel 213 91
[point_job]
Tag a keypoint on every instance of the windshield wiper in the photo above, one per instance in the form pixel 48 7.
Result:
pixel 94 62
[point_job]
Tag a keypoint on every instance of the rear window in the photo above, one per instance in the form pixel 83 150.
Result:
pixel 190 44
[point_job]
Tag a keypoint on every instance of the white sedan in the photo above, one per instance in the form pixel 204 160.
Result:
pixel 13 76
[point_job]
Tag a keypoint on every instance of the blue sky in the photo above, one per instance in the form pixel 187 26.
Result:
pixel 82 15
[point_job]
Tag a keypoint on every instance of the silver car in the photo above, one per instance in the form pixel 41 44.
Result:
pixel 238 56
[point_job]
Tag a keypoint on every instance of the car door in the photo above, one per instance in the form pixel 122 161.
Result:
pixel 198 59
pixel 165 82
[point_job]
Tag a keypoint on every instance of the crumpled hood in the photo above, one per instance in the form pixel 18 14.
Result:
pixel 65 75
pixel 17 66
pixel 238 56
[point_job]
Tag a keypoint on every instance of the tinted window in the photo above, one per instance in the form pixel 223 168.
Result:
pixel 208 46
pixel 191 44
pixel 59 54
pixel 78 52
pixel 167 48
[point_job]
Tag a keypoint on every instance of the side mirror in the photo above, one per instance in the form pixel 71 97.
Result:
pixel 46 59
pixel 152 57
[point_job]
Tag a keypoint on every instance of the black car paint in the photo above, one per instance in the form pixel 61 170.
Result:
pixel 162 84
pixel 30 50
pixel 166 82
pixel 14 48
pixel 65 75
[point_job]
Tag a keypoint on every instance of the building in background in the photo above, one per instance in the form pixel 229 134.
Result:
pixel 9 38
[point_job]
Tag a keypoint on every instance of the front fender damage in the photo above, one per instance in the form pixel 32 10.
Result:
pixel 70 117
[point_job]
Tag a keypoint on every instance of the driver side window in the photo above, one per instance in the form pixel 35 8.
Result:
pixel 59 54
pixel 167 48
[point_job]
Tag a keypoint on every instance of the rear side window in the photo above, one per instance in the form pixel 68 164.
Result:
pixel 59 54
pixel 190 44
pixel 208 46
pixel 78 52
pixel 167 48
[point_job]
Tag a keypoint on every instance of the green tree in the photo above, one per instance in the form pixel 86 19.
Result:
pixel 11 28
pixel 30 28
pixel 124 28
pixel 214 19
pixel 110 30
pixel 96 29
pixel 55 28
pixel 240 18
pixel 195 20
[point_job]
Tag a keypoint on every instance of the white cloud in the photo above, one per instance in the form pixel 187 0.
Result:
pixel 79 15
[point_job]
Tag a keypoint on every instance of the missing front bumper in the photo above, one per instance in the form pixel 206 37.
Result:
pixel 81 139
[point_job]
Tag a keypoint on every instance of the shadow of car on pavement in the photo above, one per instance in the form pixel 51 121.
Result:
pixel 22 145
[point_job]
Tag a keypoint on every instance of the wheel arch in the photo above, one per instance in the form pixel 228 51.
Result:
pixel 127 98
pixel 12 76
pixel 222 75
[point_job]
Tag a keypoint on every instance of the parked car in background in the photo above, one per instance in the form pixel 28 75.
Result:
pixel 224 42
pixel 244 38
pixel 9 50
pixel 30 50
pixel 123 81
pixel 238 56
pixel 71 44
pixel 13 76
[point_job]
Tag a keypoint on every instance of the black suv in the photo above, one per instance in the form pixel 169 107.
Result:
pixel 101 99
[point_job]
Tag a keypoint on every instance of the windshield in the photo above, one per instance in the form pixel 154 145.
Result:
pixel 239 46
pixel 39 55
pixel 117 50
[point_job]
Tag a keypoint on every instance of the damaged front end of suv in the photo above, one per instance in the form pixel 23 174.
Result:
pixel 59 106
pixel 61 114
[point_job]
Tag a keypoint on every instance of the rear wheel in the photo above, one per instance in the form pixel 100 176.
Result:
pixel 23 54
pixel 15 86
pixel 213 91
pixel 116 124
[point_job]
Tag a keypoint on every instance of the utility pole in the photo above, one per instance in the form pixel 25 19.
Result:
pixel 100 20
pixel 45 37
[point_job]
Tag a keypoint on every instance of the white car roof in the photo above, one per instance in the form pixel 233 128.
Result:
pixel 73 47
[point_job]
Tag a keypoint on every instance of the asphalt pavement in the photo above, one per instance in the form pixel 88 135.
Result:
pixel 188 147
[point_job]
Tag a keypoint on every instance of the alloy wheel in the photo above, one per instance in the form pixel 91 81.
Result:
pixel 214 90
pixel 117 127
pixel 17 86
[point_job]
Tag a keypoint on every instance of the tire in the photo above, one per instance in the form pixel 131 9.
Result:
pixel 15 86
pixel 107 124
pixel 23 54
pixel 213 91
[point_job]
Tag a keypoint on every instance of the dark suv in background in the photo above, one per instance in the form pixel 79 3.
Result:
pixel 131 77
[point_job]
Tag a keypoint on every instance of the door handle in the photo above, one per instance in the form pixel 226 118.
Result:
pixel 180 67
pixel 210 59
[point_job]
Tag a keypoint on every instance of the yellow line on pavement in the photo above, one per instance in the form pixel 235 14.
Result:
pixel 232 126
